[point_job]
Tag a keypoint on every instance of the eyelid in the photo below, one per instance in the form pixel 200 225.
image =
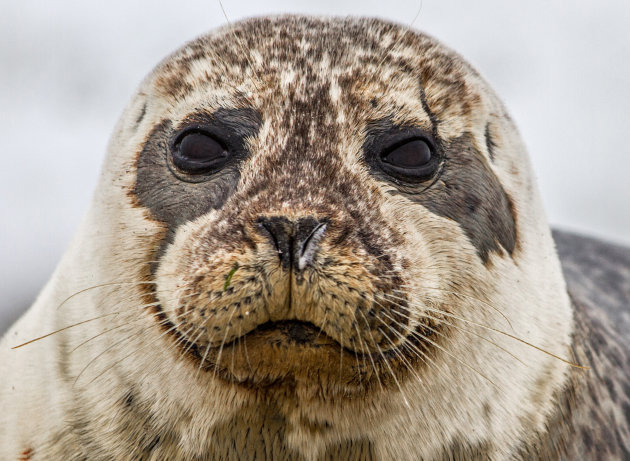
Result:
pixel 402 142
pixel 393 140
pixel 204 130
pixel 406 176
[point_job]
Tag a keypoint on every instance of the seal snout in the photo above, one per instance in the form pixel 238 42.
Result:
pixel 296 241
pixel 288 291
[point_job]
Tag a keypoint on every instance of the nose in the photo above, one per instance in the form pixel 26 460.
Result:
pixel 296 241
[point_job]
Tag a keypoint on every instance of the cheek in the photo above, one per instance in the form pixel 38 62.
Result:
pixel 439 258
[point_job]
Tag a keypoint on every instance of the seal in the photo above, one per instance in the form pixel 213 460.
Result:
pixel 317 239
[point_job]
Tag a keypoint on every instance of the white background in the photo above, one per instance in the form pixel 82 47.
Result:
pixel 67 68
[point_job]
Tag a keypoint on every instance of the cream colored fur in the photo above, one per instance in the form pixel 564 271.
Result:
pixel 474 392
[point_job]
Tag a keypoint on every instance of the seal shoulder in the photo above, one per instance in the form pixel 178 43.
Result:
pixel 598 276
pixel 592 420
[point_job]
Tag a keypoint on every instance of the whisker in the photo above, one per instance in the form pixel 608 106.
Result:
pixel 243 49
pixel 222 344
pixel 205 355
pixel 321 328
pixel 126 356
pixel 516 338
pixel 426 359
pixel 380 351
pixel 464 295
pixel 365 351
pixel 109 314
pixel 130 337
pixel 396 350
pixel 106 331
pixel 433 343
pixel 451 324
pixel 191 342
pixel 370 355
pixel 130 313
pixel 102 285
pixel 65 328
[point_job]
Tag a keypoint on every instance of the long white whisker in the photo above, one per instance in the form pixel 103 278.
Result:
pixel 451 324
pixel 516 338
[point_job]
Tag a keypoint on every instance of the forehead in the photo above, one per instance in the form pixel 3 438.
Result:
pixel 308 98
pixel 335 71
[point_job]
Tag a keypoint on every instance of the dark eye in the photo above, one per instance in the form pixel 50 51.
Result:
pixel 412 160
pixel 199 153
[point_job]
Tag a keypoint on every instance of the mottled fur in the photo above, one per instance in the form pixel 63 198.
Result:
pixel 182 361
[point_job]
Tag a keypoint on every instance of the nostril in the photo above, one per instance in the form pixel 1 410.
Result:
pixel 310 245
pixel 268 229
pixel 295 241
pixel 281 232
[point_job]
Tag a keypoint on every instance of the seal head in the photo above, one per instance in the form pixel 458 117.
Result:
pixel 365 203
pixel 331 236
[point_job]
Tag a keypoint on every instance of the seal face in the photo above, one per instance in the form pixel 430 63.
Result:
pixel 326 278
pixel 313 239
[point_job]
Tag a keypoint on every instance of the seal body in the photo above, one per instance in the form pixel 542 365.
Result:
pixel 312 239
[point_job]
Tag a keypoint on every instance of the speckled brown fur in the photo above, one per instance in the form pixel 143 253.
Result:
pixel 303 303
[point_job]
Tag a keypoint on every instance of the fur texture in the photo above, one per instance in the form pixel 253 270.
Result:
pixel 396 341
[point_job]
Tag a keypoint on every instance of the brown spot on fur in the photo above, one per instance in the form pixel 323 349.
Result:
pixel 143 112
pixel 490 143
pixel 26 455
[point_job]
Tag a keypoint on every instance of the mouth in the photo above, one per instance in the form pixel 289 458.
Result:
pixel 288 353
pixel 279 353
pixel 334 335
pixel 291 332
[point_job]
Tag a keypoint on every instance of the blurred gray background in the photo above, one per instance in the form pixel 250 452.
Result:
pixel 67 69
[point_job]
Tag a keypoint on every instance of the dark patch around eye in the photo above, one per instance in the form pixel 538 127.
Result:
pixel 173 201
pixel 466 191
pixel 470 193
